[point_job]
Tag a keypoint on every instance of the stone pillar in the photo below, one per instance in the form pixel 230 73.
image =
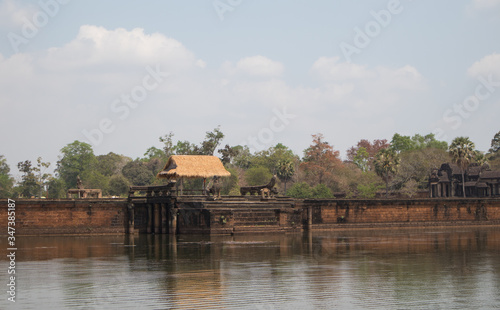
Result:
pixel 309 217
pixel 164 218
pixel 150 218
pixel 172 221
pixel 283 218
pixel 157 219
pixel 131 218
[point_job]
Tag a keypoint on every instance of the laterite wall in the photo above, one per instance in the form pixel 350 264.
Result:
pixel 66 216
pixel 399 212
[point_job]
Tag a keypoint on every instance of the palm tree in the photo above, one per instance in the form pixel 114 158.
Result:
pixel 480 158
pixel 386 165
pixel 462 153
pixel 285 170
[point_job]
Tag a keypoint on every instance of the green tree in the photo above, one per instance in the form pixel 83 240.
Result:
pixel 495 144
pixel 230 184
pixel 322 191
pixel 300 190
pixel 401 143
pixel 111 163
pixel 228 154
pixel 285 170
pixel 431 142
pixel 462 153
pixel 185 148
pixel 168 144
pixel 138 173
pixel 42 178
pixel 480 158
pixel 272 156
pixel 6 181
pixel 154 152
pixel 211 142
pixel 386 165
pixel 95 179
pixel 56 188
pixel 118 185
pixel 364 152
pixel 243 158
pixel 258 176
pixel 28 186
pixel 368 191
pixel 155 165
pixel 361 159
pixel 77 158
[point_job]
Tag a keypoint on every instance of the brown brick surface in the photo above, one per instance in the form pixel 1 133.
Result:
pixel 66 216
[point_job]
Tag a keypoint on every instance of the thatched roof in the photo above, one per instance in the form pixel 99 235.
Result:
pixel 193 166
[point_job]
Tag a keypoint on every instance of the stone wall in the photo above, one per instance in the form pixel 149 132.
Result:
pixel 242 215
pixel 67 216
pixel 238 216
pixel 415 212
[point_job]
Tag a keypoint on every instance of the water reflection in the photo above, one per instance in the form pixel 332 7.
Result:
pixel 363 269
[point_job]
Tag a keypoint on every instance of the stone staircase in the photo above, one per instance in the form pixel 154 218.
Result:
pixel 256 218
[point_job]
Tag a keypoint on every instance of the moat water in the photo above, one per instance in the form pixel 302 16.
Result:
pixel 371 269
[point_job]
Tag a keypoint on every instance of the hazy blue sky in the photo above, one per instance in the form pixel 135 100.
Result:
pixel 119 74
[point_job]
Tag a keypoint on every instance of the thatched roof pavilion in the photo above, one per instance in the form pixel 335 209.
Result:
pixel 193 166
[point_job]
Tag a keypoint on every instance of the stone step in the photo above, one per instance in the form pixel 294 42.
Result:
pixel 245 215
pixel 256 223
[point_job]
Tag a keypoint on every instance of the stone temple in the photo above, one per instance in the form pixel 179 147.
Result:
pixel 480 181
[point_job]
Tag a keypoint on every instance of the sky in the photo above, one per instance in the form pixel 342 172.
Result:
pixel 120 74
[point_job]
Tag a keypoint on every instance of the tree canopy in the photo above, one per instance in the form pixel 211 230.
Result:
pixel 6 181
pixel 403 164
pixel 495 144
pixel 320 160
pixel 386 165
pixel 77 159
pixel 462 152
pixel 401 143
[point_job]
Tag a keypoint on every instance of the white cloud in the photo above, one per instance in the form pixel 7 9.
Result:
pixel 331 69
pixel 257 66
pixel 96 47
pixel 12 14
pixel 335 70
pixel 67 89
pixel 366 89
pixel 487 65
pixel 485 4
pixel 58 93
